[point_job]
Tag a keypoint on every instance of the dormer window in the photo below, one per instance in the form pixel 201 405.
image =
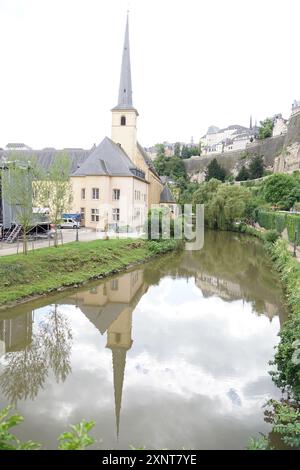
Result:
pixel 123 121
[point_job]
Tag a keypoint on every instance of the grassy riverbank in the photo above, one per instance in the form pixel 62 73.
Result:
pixel 50 269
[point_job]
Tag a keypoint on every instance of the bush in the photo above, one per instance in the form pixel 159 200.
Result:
pixel 278 221
pixel 76 439
pixel 281 190
pixel 271 236
pixel 285 418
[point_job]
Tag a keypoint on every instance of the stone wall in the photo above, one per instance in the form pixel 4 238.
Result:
pixel 280 153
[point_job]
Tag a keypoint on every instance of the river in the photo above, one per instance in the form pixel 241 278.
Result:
pixel 171 354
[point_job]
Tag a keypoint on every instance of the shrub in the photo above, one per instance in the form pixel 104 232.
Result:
pixel 271 236
pixel 76 439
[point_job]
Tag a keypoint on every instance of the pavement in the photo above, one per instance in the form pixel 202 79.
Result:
pixel 69 235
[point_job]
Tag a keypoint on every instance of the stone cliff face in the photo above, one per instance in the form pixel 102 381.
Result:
pixel 289 159
pixel 280 154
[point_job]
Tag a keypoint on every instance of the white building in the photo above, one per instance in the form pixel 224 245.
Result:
pixel 234 137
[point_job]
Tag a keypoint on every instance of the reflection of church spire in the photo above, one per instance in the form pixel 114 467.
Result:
pixel 119 341
pixel 119 363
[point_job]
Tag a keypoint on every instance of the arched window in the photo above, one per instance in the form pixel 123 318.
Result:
pixel 123 121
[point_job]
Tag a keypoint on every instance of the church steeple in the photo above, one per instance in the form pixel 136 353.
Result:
pixel 124 115
pixel 125 89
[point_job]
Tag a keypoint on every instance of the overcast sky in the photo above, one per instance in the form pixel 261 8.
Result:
pixel 194 63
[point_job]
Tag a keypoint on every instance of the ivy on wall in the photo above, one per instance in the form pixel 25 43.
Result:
pixel 280 221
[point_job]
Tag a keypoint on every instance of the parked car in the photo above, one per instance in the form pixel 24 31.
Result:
pixel 68 223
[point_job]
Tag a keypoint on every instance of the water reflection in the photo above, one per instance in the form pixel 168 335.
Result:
pixel 29 357
pixel 199 361
pixel 109 307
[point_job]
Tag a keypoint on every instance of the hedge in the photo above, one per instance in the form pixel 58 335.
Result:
pixel 280 221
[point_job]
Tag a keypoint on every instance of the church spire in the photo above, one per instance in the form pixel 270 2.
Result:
pixel 125 90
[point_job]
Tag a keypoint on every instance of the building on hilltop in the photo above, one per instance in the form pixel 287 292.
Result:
pixel 295 107
pixel 233 137
pixel 280 125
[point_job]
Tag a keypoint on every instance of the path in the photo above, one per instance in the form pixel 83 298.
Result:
pixel 69 235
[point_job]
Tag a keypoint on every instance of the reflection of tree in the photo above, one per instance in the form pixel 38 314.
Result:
pixel 25 371
pixel 57 338
pixel 228 257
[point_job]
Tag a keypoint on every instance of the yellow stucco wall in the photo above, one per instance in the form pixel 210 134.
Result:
pixel 125 135
pixel 133 199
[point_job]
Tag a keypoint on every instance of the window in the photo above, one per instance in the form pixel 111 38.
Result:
pixel 95 193
pixel 137 213
pixel 118 338
pixel 116 215
pixel 94 290
pixel 114 284
pixel 82 193
pixel 123 121
pixel 137 195
pixel 145 197
pixel 116 194
pixel 95 215
pixel 82 214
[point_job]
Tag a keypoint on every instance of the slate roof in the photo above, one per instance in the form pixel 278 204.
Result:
pixel 166 196
pixel 46 157
pixel 147 160
pixel 108 159
pixel 125 88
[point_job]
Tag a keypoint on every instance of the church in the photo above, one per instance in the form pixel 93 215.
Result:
pixel 115 183
pixel 118 173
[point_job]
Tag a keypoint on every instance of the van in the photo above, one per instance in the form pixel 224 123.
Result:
pixel 68 223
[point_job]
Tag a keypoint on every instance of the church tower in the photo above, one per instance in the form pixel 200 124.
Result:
pixel 124 115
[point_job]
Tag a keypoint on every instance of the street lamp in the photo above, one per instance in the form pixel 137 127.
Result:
pixel 295 243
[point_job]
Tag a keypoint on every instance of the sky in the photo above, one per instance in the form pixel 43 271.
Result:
pixel 194 63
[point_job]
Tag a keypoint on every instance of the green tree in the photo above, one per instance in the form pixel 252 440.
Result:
pixel 18 176
pixel 185 152
pixel 227 206
pixel 243 174
pixel 177 151
pixel 160 164
pixel 55 191
pixel 188 152
pixel 173 167
pixel 266 128
pixel 256 167
pixel 160 150
pixel 281 189
pixel 206 191
pixel 215 170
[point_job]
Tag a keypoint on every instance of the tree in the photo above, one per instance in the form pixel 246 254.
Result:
pixel 160 150
pixel 177 149
pixel 25 371
pixel 18 176
pixel 243 174
pixel 173 167
pixel 206 191
pixel 160 164
pixel 188 152
pixel 55 190
pixel 256 167
pixel 281 189
pixel 227 206
pixel 266 128
pixel 185 152
pixel 215 170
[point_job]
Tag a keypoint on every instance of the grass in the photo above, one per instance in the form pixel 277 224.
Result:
pixel 49 269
